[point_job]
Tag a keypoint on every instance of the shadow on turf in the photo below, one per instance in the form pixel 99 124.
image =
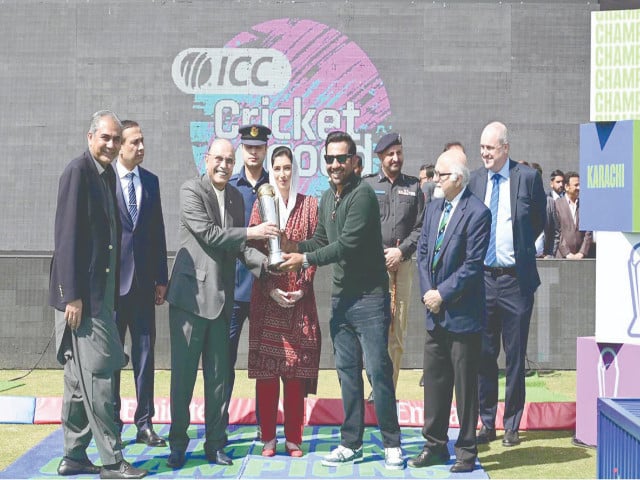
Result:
pixel 495 457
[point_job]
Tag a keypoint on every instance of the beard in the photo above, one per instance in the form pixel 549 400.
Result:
pixel 438 192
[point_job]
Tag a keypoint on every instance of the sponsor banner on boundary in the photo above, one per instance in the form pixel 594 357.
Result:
pixel 328 411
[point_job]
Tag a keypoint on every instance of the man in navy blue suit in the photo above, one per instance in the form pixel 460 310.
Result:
pixel 143 274
pixel 451 250
pixel 515 195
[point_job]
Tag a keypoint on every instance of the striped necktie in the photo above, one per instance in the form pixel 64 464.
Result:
pixel 443 225
pixel 133 204
pixel 492 255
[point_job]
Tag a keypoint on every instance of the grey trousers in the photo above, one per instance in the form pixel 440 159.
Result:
pixel 87 401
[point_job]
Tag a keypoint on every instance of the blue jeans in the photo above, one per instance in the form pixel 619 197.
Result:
pixel 360 326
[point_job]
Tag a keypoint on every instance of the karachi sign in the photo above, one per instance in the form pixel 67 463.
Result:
pixel 301 78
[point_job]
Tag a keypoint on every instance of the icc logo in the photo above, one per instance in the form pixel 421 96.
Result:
pixel 250 71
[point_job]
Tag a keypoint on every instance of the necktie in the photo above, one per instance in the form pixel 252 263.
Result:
pixel 133 204
pixel 443 225
pixel 491 257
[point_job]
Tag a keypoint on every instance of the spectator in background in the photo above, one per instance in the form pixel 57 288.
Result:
pixel 545 244
pixel 570 242
pixel 427 185
pixel 556 184
pixel 455 145
pixel 284 334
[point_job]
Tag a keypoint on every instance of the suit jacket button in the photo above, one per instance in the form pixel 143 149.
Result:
pixel 110 247
pixel 107 270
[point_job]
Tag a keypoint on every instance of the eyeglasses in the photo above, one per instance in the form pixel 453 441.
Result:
pixel 342 158
pixel 441 176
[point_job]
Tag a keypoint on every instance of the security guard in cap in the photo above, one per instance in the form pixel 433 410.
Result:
pixel 401 210
pixel 253 143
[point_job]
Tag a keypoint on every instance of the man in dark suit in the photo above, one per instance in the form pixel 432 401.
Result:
pixel 143 274
pixel 200 294
pixel 514 193
pixel 83 290
pixel 451 250
pixel 570 242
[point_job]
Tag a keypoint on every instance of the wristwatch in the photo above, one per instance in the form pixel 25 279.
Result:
pixel 305 261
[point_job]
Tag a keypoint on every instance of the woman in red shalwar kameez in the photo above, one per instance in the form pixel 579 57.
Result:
pixel 284 335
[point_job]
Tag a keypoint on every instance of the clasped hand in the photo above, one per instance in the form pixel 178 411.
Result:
pixel 286 299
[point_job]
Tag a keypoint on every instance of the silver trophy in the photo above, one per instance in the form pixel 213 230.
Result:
pixel 268 208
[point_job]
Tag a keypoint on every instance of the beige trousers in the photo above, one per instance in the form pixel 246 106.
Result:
pixel 400 283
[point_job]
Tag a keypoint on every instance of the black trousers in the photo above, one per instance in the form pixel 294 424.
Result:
pixel 451 361
pixel 508 319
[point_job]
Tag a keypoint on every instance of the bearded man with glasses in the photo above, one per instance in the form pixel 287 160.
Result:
pixel 349 236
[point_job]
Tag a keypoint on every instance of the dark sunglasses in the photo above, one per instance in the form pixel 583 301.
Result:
pixel 342 158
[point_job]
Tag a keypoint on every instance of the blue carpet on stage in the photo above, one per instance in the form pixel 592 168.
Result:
pixel 42 460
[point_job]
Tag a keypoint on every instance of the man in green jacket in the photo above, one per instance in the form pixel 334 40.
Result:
pixel 348 236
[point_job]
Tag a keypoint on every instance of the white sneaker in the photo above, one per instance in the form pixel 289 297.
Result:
pixel 393 459
pixel 341 455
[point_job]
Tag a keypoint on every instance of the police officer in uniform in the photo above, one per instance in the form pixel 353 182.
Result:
pixel 401 210
pixel 253 145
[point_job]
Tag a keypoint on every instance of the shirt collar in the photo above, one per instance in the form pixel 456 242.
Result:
pixel 122 170
pixel 456 199
pixel 504 171
pixel 242 177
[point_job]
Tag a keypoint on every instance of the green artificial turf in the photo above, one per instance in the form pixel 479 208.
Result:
pixel 542 454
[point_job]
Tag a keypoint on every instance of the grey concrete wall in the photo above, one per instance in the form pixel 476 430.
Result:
pixel 448 68
pixel 564 310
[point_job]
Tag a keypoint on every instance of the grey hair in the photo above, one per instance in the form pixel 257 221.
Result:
pixel 96 117
pixel 461 171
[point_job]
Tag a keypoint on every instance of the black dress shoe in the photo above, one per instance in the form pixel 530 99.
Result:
pixel 485 435
pixel 69 466
pixel 176 459
pixel 511 438
pixel 427 458
pixel 122 470
pixel 462 466
pixel 219 457
pixel 151 438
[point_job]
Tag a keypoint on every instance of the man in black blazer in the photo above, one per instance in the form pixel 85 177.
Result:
pixel 200 294
pixel 143 274
pixel 451 250
pixel 83 290
pixel 517 201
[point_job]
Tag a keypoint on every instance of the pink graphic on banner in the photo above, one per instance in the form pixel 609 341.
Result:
pixel 333 85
